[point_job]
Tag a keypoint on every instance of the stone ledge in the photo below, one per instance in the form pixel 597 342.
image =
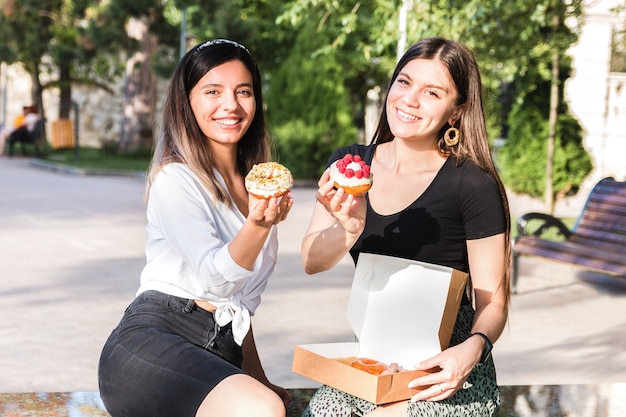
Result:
pixel 598 400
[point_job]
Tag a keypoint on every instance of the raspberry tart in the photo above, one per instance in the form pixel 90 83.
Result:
pixel 352 174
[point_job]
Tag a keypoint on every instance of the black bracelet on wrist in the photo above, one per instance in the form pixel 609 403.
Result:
pixel 488 346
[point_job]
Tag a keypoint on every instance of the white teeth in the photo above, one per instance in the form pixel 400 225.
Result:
pixel 229 122
pixel 406 115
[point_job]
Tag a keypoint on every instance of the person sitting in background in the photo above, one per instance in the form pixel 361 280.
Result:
pixel 20 118
pixel 17 122
pixel 22 132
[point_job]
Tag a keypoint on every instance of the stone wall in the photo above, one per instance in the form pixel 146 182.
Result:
pixel 99 111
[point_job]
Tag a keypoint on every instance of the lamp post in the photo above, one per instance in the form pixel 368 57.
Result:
pixel 402 28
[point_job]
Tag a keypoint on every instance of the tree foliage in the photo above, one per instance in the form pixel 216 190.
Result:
pixel 26 33
pixel 68 49
pixel 536 92
pixel 523 158
pixel 319 58
pixel 509 38
pixel 308 107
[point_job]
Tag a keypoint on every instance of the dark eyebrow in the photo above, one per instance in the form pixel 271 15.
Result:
pixel 433 86
pixel 209 85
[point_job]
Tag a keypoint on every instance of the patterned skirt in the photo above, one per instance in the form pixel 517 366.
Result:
pixel 479 396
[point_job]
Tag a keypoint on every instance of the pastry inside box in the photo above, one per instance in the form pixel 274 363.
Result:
pixel 402 312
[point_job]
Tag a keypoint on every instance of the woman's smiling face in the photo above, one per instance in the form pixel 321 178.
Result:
pixel 421 100
pixel 223 102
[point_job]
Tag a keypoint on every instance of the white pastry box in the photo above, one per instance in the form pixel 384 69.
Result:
pixel 401 311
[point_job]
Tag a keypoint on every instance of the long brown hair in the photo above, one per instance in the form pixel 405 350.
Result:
pixel 181 139
pixel 473 142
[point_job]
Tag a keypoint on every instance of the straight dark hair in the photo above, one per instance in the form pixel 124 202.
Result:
pixel 473 140
pixel 181 139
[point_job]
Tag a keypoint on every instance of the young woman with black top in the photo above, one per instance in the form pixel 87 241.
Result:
pixel 436 197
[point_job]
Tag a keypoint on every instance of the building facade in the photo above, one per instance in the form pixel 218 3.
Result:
pixel 596 93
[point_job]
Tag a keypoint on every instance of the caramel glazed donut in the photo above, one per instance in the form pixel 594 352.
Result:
pixel 373 367
pixel 268 179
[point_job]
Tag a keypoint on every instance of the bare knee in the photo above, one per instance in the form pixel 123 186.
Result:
pixel 241 396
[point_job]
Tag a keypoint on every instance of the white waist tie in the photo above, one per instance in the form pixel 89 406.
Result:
pixel 237 314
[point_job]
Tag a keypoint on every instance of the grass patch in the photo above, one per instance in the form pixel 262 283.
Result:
pixel 98 159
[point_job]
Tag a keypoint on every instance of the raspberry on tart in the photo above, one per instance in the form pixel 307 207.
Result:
pixel 352 174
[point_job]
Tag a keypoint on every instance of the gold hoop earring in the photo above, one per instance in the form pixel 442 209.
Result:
pixel 451 137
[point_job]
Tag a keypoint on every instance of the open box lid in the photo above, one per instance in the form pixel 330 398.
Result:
pixel 402 310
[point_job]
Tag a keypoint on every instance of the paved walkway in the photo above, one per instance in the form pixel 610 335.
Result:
pixel 71 249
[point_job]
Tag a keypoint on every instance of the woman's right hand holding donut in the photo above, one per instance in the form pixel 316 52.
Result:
pixel 348 210
pixel 337 222
pixel 268 212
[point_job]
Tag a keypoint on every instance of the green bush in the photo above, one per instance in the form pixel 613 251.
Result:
pixel 523 157
pixel 308 107
pixel 303 148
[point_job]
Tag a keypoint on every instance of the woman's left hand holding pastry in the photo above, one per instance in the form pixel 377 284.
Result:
pixel 451 369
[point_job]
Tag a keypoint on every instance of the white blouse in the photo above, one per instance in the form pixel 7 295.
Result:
pixel 187 249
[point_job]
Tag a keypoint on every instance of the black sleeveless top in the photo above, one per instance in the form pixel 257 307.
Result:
pixel 462 203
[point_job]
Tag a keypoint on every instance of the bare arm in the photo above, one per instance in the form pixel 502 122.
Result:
pixel 337 222
pixel 246 246
pixel 486 258
pixel 487 266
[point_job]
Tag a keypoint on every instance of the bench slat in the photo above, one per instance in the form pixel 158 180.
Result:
pixel 530 246
pixel 610 222
pixel 602 231
pixel 604 206
pixel 610 183
pixel 598 239
pixel 595 258
pixel 602 223
pixel 598 236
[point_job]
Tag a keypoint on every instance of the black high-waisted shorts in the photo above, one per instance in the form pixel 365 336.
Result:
pixel 164 357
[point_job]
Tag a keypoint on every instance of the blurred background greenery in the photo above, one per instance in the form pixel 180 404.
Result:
pixel 324 64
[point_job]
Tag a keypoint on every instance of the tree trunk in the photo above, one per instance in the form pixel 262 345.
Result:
pixel 36 94
pixel 552 121
pixel 140 90
pixel 65 87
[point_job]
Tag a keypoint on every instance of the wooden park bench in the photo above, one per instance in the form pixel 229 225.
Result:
pixel 37 137
pixel 597 241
